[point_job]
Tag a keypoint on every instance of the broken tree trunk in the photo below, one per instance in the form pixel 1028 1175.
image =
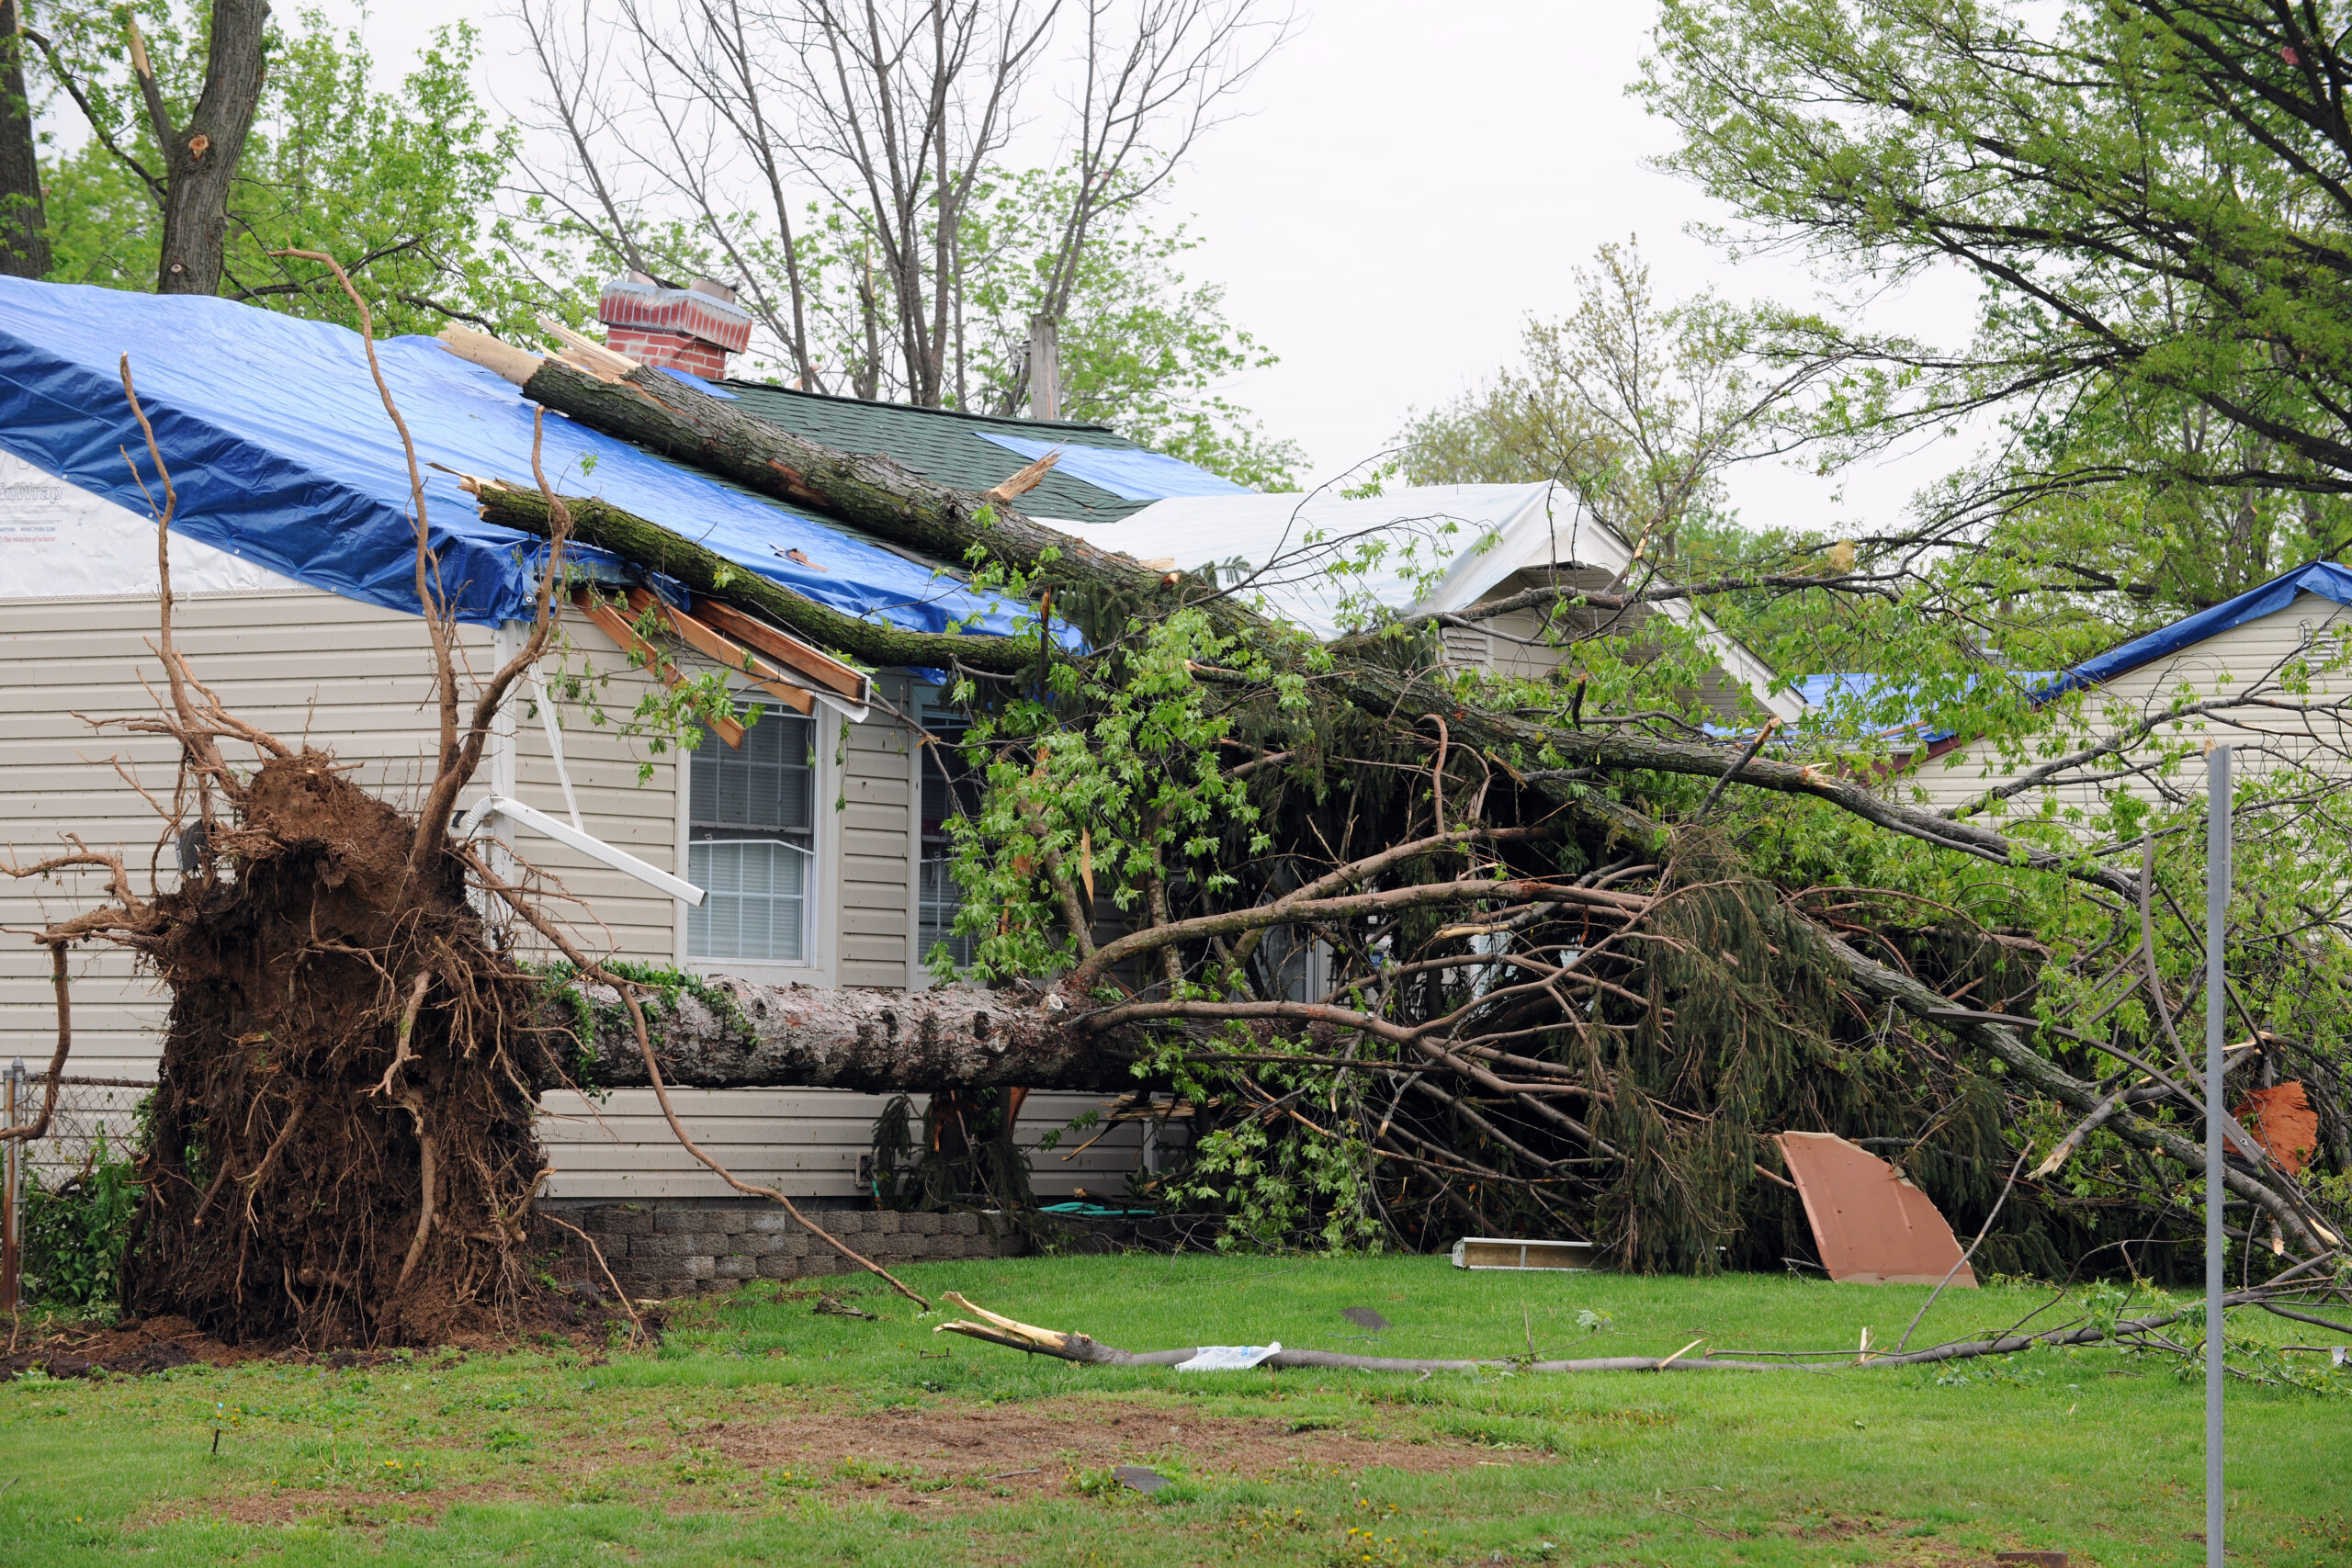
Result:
pixel 665 415
pixel 712 575
pixel 726 1033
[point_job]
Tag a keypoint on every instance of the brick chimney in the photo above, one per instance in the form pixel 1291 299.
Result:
pixel 692 329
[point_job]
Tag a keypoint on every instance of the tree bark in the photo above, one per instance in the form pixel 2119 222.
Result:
pixel 649 545
pixel 24 226
pixel 200 158
pixel 665 415
pixel 730 1034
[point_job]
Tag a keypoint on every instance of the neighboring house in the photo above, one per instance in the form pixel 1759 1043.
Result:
pixel 292 563
pixel 2284 642
pixel 1323 559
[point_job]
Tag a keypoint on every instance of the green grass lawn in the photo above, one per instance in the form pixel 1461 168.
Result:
pixel 760 1432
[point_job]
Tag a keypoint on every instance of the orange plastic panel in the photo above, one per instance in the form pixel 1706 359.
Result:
pixel 1872 1226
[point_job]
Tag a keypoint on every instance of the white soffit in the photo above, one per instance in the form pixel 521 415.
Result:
pixel 58 541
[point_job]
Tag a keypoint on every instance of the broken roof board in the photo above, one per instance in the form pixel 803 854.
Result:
pixel 1430 557
pixel 283 457
pixel 1870 1224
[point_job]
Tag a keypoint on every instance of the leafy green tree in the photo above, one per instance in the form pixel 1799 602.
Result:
pixel 1640 407
pixel 2152 198
pixel 1142 349
pixel 397 183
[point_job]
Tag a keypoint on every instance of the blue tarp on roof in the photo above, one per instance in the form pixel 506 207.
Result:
pixel 2325 578
pixel 282 454
pixel 1128 473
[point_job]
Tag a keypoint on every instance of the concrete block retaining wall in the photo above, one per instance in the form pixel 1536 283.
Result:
pixel 665 1250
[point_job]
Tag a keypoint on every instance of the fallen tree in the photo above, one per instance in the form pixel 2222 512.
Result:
pixel 1415 953
pixel 1268 701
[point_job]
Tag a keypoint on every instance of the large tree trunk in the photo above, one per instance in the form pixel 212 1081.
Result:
pixel 707 572
pixel 23 234
pixel 728 1033
pixel 666 415
pixel 200 158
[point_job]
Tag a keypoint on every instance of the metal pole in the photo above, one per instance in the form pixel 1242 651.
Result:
pixel 2217 909
pixel 11 1249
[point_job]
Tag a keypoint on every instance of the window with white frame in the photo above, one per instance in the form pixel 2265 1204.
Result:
pixel 751 821
pixel 949 790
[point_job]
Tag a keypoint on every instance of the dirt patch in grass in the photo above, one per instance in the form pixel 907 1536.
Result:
pixel 152 1344
pixel 954 1457
pixel 934 1455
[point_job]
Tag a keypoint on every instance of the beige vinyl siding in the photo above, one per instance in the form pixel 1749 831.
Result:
pixel 872 874
pixel 805 1142
pixel 2234 660
pixel 349 677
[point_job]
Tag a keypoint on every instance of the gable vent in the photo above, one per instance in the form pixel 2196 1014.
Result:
pixel 1468 647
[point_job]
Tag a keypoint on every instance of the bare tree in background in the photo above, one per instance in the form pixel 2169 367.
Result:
pixel 707 124
pixel 572 62
pixel 1150 91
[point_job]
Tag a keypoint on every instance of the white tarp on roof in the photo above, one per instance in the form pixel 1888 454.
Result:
pixel 58 541
pixel 1427 547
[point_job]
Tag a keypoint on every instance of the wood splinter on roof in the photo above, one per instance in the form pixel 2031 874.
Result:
pixel 519 364
pixel 499 357
pixel 1023 482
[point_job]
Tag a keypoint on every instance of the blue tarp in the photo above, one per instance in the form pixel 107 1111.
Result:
pixel 2325 578
pixel 1819 691
pixel 1126 472
pixel 282 454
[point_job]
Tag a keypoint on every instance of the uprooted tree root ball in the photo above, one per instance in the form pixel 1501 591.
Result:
pixel 341 1148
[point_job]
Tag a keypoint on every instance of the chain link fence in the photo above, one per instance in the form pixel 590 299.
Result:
pixel 92 1125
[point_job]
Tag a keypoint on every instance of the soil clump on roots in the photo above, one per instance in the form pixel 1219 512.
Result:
pixel 341 1149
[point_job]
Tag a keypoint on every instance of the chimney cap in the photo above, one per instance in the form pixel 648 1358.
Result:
pixel 710 313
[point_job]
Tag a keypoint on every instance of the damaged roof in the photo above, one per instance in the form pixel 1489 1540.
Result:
pixel 1101 475
pixel 282 455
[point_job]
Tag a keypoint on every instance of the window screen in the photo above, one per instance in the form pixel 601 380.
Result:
pixel 751 816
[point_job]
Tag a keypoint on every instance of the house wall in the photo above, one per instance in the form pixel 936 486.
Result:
pixel 1510 645
pixel 357 680
pixel 296 663
pixel 2230 661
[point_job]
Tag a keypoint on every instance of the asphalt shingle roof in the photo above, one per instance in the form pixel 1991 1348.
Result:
pixel 944 446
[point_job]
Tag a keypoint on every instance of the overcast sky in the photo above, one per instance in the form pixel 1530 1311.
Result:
pixel 1410 181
